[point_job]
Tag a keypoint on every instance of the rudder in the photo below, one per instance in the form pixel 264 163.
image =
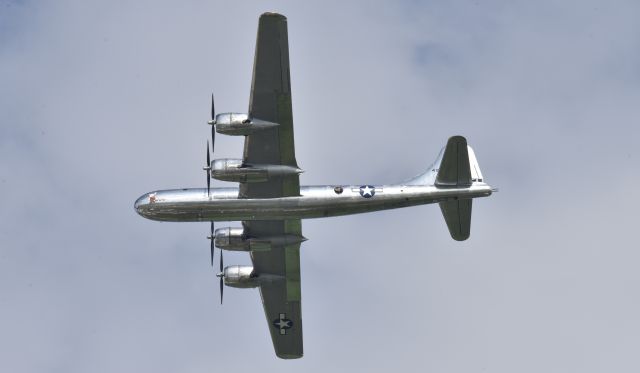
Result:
pixel 454 170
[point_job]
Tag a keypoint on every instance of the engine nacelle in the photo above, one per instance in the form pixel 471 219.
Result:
pixel 236 171
pixel 234 239
pixel 240 277
pixel 239 124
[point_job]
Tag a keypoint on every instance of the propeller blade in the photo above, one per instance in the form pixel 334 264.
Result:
pixel 221 266
pixel 221 278
pixel 212 243
pixel 208 155
pixel 213 110
pixel 221 289
pixel 213 125
pixel 208 169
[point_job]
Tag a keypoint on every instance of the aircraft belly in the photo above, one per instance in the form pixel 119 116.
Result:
pixel 313 204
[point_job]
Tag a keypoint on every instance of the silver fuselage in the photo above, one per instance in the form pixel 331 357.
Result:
pixel 223 204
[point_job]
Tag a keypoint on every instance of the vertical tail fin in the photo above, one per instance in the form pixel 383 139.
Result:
pixel 451 172
pixel 454 170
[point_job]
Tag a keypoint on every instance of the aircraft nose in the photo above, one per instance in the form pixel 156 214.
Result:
pixel 140 203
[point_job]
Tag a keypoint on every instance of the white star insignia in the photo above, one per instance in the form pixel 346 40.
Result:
pixel 367 191
pixel 283 324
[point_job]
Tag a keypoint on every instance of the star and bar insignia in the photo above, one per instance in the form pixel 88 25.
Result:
pixel 367 191
pixel 282 323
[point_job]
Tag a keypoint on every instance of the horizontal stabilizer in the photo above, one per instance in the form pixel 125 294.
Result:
pixel 457 214
pixel 454 170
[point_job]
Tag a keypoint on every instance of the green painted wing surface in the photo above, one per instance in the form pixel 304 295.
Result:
pixel 271 101
pixel 280 296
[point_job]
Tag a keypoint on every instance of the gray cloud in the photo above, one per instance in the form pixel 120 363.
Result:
pixel 102 102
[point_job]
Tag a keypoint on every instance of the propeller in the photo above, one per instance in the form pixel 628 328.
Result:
pixel 207 169
pixel 212 122
pixel 220 275
pixel 212 238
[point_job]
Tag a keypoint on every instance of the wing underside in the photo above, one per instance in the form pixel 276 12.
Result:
pixel 279 266
pixel 271 101
pixel 280 293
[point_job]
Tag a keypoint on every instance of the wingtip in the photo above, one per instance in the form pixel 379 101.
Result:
pixel 458 138
pixel 289 356
pixel 460 238
pixel 273 14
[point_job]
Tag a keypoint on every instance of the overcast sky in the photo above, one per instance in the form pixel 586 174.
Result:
pixel 101 102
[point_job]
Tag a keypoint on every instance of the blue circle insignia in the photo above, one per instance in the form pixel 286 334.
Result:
pixel 367 191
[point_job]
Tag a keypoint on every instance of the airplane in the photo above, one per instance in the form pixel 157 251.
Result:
pixel 270 202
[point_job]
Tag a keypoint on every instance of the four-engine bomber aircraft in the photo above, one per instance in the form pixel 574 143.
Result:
pixel 270 201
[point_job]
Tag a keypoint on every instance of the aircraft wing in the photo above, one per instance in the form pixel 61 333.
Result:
pixel 271 101
pixel 281 293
